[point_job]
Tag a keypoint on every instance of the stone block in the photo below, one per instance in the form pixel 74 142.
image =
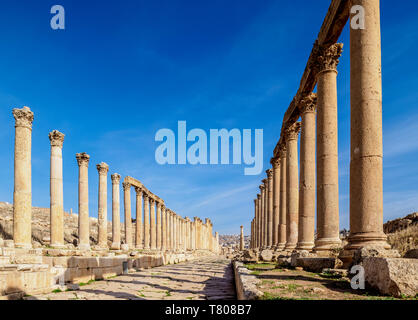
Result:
pixel 266 255
pixel 392 276
pixel 317 264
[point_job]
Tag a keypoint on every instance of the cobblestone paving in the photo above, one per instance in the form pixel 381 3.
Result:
pixel 209 279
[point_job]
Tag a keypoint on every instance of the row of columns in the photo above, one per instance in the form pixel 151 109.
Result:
pixel 157 227
pixel 284 216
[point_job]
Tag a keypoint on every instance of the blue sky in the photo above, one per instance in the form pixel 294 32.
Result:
pixel 122 70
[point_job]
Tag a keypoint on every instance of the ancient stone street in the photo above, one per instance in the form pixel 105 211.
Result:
pixel 207 279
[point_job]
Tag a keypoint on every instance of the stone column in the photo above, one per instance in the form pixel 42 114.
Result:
pixel 56 190
pixel 366 168
pixel 174 232
pixel 258 231
pixel 153 237
pixel 283 198
pixel 275 162
pixel 262 216
pixel 103 169
pixel 164 228
pixel 327 149
pixel 158 226
pixel 147 231
pixel 266 212
pixel 83 201
pixel 139 226
pixel 22 195
pixel 115 211
pixel 169 230
pixel 241 239
pixel 292 193
pixel 270 208
pixel 255 223
pixel 128 213
pixel 306 235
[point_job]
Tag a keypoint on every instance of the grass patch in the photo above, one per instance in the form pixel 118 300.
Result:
pixel 168 293
pixel 56 291
pixel 81 284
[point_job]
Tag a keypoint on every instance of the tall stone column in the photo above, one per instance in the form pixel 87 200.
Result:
pixel 270 208
pixel 255 223
pixel 128 213
pixel 327 149
pixel 83 201
pixel 258 231
pixel 164 228
pixel 139 234
pixel 266 212
pixel 153 238
pixel 22 195
pixel 159 227
pixel 276 200
pixel 262 215
pixel 115 211
pixel 147 231
pixel 102 169
pixel 56 190
pixel 169 230
pixel 366 168
pixel 292 193
pixel 174 231
pixel 306 235
pixel 241 239
pixel 283 199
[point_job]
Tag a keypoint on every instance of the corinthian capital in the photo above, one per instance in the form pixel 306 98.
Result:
pixel 282 151
pixel 326 58
pixel 269 173
pixel 82 159
pixel 102 168
pixel 292 131
pixel 23 117
pixel 261 187
pixel 139 190
pixel 126 186
pixel 264 181
pixel 275 162
pixel 56 138
pixel 115 178
pixel 308 103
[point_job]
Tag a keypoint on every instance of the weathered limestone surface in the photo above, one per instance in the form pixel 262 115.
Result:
pixel 22 194
pixel 83 201
pixel 116 211
pixel 56 189
pixel 103 169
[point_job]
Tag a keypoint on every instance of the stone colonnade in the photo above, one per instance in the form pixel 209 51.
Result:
pixel 156 227
pixel 289 222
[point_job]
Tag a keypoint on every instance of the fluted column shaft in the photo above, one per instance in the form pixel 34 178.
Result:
pixel 292 193
pixel 306 233
pixel 270 208
pixel 115 211
pixel 102 169
pixel 56 190
pixel 22 195
pixel 255 223
pixel 262 216
pixel 276 200
pixel 241 239
pixel 164 228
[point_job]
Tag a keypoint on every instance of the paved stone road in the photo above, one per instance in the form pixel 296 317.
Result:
pixel 210 279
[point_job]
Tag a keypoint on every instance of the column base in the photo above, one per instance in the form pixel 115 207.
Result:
pixel 360 240
pixel 84 246
pixel 58 246
pixel 305 246
pixel 290 247
pixel 280 246
pixel 115 246
pixel 23 245
pixel 327 246
pixel 139 247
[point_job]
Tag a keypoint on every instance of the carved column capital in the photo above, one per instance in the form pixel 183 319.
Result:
pixel 261 187
pixel 82 159
pixel 151 201
pixel 275 162
pixel 292 132
pixel 308 103
pixel 326 58
pixel 282 151
pixel 126 186
pixel 23 117
pixel 115 178
pixel 56 138
pixel 145 196
pixel 269 173
pixel 258 196
pixel 102 168
pixel 139 191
